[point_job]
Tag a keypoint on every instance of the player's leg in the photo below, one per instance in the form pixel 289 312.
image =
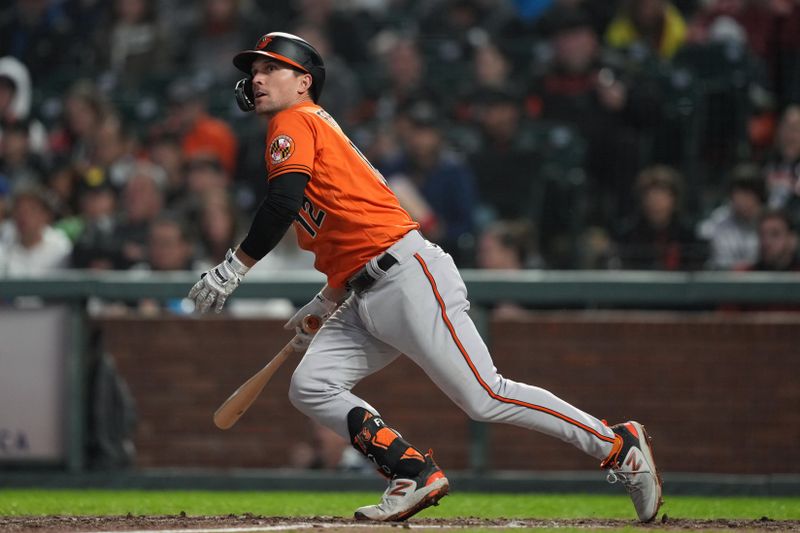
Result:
pixel 415 480
pixel 428 321
pixel 422 311
pixel 342 354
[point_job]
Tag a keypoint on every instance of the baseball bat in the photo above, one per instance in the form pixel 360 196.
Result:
pixel 237 403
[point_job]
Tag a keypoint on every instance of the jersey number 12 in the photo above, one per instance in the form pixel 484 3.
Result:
pixel 315 218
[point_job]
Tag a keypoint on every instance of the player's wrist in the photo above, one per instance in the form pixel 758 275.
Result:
pixel 236 264
pixel 328 304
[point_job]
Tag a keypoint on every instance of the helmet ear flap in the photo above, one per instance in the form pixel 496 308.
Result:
pixel 244 94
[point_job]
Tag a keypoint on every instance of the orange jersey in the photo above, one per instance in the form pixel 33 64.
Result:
pixel 349 214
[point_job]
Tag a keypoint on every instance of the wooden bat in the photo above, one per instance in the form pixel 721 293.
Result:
pixel 238 402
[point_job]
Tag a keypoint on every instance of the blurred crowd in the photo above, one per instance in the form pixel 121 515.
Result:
pixel 556 134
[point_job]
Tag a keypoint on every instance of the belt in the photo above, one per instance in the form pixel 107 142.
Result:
pixel 363 279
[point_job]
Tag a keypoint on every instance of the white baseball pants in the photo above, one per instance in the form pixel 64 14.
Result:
pixel 419 307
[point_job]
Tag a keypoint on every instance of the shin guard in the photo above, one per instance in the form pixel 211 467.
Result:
pixel 385 447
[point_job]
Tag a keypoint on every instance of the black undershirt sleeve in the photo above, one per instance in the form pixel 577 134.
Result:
pixel 275 214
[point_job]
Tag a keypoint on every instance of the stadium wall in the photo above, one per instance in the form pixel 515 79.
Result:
pixel 716 390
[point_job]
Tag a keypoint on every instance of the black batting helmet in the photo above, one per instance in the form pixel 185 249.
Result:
pixel 289 49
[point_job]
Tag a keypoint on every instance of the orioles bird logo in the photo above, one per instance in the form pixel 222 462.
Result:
pixel 263 42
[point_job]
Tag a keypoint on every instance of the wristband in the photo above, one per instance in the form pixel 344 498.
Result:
pixel 328 303
pixel 236 264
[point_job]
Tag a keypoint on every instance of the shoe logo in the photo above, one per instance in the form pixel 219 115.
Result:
pixel 634 462
pixel 400 488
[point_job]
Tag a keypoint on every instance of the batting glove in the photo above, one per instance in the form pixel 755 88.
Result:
pixel 218 283
pixel 318 306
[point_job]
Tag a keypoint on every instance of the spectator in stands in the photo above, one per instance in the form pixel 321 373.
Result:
pixel 732 228
pixel 504 158
pixel 403 76
pixel 96 247
pixel 782 169
pixel 770 28
pixel 199 132
pixel 85 109
pixel 202 175
pixel 205 174
pixel 62 184
pixel 169 249
pixel 17 161
pixel 142 202
pixel 347 32
pixel 584 88
pixel 219 227
pixel 433 183
pixel 739 20
pixel 451 29
pixel 508 245
pixel 657 237
pixel 491 68
pixel 656 25
pixel 165 151
pixel 132 47
pixel 785 59
pixel 16 98
pixel 777 243
pixel 38 33
pixel 34 247
pixel 223 25
pixel 114 149
pixel 169 245
pixel 343 92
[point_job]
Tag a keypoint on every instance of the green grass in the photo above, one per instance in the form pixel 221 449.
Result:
pixel 122 502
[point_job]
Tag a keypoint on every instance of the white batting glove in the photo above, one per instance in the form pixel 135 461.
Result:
pixel 318 306
pixel 218 283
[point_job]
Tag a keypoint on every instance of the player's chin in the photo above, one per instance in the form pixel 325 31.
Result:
pixel 263 107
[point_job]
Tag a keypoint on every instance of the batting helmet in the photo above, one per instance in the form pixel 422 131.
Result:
pixel 289 49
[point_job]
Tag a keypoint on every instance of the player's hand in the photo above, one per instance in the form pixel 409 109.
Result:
pixel 218 283
pixel 319 306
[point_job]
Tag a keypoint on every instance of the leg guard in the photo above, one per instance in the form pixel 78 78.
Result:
pixel 384 446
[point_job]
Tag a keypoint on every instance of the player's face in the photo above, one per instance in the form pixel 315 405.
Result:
pixel 277 86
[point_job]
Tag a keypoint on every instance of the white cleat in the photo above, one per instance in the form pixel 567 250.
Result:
pixel 631 463
pixel 406 497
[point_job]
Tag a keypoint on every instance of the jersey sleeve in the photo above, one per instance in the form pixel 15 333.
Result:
pixel 290 145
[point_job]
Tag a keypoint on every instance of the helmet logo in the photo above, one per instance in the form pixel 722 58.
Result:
pixel 281 149
pixel 263 42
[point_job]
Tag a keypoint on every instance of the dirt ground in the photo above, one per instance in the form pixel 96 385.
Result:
pixel 251 523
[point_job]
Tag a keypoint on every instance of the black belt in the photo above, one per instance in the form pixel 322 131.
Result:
pixel 363 280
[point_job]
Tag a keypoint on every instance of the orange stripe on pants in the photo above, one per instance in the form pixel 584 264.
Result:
pixel 480 380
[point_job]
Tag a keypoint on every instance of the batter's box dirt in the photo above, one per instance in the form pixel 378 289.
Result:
pixel 251 523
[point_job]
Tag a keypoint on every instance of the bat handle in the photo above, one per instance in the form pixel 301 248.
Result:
pixel 311 323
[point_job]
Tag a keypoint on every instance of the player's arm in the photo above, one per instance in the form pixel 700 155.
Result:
pixel 273 217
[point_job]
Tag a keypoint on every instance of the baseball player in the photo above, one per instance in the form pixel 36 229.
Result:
pixel 389 291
